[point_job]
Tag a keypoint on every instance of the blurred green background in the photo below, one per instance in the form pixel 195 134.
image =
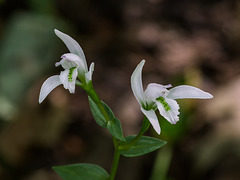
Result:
pixel 184 42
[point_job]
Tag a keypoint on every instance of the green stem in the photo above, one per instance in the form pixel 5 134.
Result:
pixel 118 147
pixel 116 158
pixel 143 129
pixel 93 95
pixel 145 126
pixel 162 163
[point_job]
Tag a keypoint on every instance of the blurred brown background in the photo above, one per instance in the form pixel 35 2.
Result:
pixel 195 42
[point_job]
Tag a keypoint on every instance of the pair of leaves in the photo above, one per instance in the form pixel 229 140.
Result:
pixel 94 172
pixel 81 172
pixel 113 124
pixel 143 146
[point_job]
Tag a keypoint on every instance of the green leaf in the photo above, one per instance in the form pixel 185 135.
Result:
pixel 144 145
pixel 109 111
pixel 97 114
pixel 81 172
pixel 114 126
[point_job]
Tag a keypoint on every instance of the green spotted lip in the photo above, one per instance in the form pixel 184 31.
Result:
pixel 164 103
pixel 70 74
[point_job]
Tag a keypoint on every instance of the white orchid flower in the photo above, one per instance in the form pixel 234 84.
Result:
pixel 74 65
pixel 157 96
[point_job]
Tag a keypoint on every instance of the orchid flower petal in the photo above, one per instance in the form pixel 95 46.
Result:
pixel 152 117
pixel 171 114
pixel 155 90
pixel 72 45
pixel 73 60
pixel 48 85
pixel 68 61
pixel 68 79
pixel 187 92
pixel 136 83
pixel 90 72
pixel 64 78
pixel 73 82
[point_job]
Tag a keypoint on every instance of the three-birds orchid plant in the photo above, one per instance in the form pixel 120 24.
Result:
pixel 155 97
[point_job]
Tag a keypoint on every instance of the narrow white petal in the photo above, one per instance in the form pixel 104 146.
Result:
pixel 88 75
pixel 72 45
pixel 48 85
pixel 154 91
pixel 152 117
pixel 188 92
pixel 136 82
pixel 172 114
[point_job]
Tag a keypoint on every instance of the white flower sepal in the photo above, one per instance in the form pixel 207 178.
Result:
pixel 157 96
pixel 74 65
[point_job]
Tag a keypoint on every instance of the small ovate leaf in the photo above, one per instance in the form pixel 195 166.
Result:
pixel 114 127
pixel 109 111
pixel 81 172
pixel 144 145
pixel 113 124
pixel 97 114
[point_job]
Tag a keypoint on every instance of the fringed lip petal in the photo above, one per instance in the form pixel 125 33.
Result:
pixel 48 85
pixel 73 82
pixel 68 80
pixel 72 45
pixel 172 114
pixel 152 117
pixel 188 92
pixel 136 83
